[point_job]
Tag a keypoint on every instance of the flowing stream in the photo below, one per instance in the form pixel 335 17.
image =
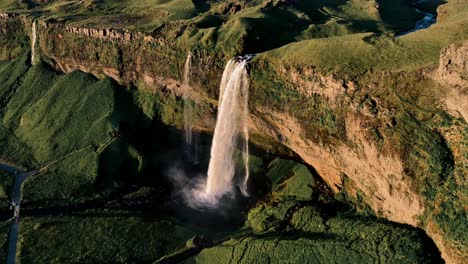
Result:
pixel 33 42
pixel 231 123
pixel 423 23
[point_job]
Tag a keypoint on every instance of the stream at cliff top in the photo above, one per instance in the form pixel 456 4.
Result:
pixel 423 23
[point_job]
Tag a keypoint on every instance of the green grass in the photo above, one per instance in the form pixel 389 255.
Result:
pixel 290 179
pixel 235 27
pixel 99 236
pixel 6 182
pixel 354 54
pixel 13 149
pixel 311 238
pixel 139 14
pixel 267 216
pixel 12 45
pixel 261 27
pixel 9 5
pixel 357 53
pixel 4 231
pixel 76 107
pixel 65 122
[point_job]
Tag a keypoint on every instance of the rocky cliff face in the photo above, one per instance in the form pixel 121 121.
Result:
pixel 380 138
pixel 129 58
pixel 14 38
pixel 452 71
pixel 335 136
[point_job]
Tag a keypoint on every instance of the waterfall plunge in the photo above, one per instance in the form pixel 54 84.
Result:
pixel 33 42
pixel 231 122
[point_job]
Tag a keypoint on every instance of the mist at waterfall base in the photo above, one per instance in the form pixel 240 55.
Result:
pixel 228 172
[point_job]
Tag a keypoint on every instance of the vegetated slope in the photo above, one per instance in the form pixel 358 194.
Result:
pixel 98 237
pixel 74 127
pixel 37 97
pixel 356 53
pixel 40 107
pixel 6 182
pixel 234 26
pixel 4 230
pixel 391 75
pixel 296 223
pixel 65 124
pixel 80 131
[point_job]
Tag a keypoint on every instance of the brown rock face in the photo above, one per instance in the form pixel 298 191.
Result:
pixel 378 177
pixel 453 72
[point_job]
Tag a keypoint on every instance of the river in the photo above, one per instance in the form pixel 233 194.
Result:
pixel 20 177
pixel 423 23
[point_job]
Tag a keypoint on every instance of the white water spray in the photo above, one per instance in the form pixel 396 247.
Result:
pixel 33 42
pixel 188 109
pixel 245 153
pixel 232 120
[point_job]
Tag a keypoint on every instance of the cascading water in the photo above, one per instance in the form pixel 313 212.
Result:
pixel 33 42
pixel 231 122
pixel 188 109
pixel 245 130
pixel 424 23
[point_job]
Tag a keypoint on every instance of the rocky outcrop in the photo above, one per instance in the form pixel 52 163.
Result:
pixel 12 36
pixel 113 35
pixel 453 72
pixel 147 61
pixel 350 162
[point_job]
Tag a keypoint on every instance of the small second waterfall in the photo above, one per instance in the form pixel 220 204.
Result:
pixel 33 42
pixel 231 125
pixel 188 108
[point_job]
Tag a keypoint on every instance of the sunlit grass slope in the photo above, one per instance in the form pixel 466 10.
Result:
pixel 234 26
pixel 297 224
pixel 357 53
pixel 66 123
pixel 99 237
pixel 4 230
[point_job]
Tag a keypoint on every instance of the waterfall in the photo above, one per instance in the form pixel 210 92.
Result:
pixel 188 108
pixel 245 130
pixel 33 42
pixel 231 122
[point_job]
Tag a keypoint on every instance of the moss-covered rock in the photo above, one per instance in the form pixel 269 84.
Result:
pixel 313 239
pixel 291 179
